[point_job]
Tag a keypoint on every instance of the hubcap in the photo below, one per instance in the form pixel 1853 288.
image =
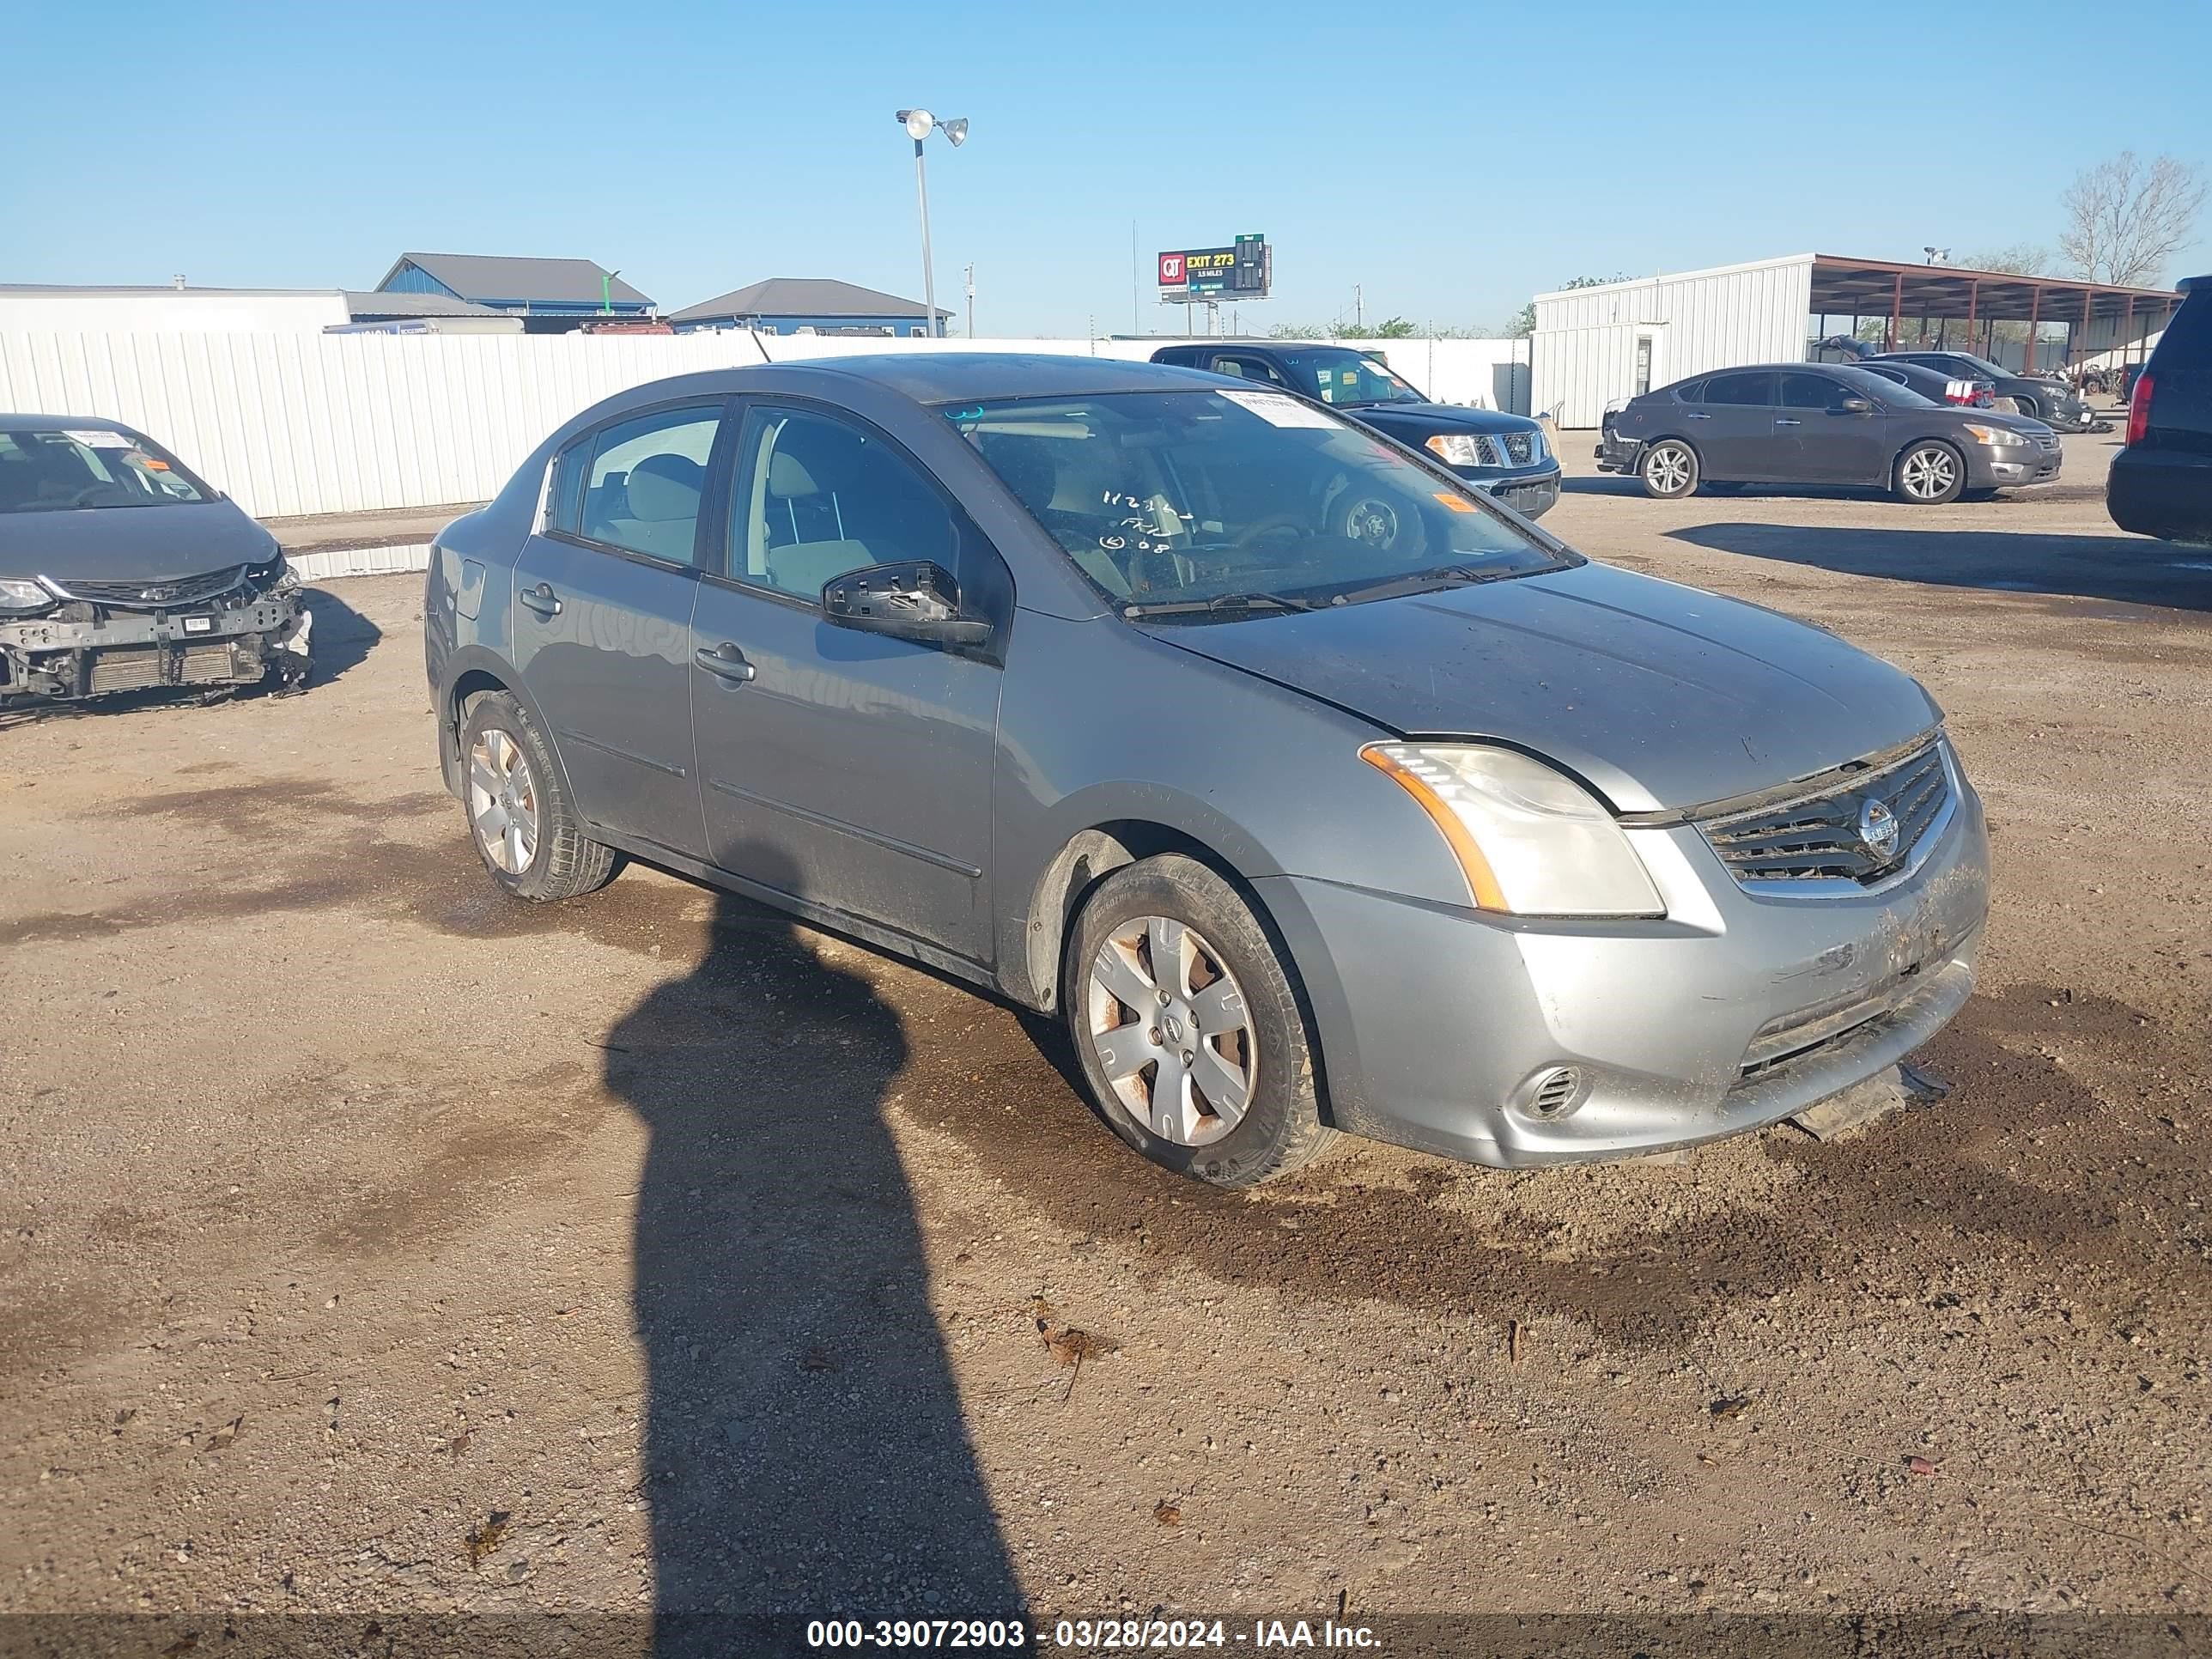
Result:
pixel 502 801
pixel 1372 523
pixel 1668 468
pixel 1929 472
pixel 1168 1026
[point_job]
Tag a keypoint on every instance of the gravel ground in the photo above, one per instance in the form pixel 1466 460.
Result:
pixel 374 1244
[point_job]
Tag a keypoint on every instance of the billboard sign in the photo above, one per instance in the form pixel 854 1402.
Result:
pixel 1242 270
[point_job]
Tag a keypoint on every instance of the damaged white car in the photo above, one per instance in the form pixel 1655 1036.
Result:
pixel 119 570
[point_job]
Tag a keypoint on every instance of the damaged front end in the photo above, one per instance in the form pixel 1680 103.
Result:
pixel 72 639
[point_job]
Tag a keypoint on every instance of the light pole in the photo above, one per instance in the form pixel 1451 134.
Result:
pixel 918 123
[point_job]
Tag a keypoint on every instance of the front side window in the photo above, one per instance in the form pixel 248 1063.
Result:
pixel 816 497
pixel 49 470
pixel 1336 376
pixel 1175 497
pixel 648 475
pixel 1811 392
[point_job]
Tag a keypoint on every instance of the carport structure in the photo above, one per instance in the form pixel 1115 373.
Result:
pixel 1609 341
pixel 2098 317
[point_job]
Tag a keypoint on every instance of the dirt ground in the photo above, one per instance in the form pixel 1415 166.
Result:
pixel 373 1243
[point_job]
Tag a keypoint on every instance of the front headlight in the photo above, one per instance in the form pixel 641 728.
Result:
pixel 1531 841
pixel 1455 449
pixel 17 593
pixel 1999 436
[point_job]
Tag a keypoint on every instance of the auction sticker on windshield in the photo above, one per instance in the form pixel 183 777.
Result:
pixel 102 439
pixel 1277 410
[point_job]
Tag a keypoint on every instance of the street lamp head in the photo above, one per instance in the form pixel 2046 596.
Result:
pixel 956 130
pixel 918 123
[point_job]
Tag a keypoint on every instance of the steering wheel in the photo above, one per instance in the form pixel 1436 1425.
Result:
pixel 1259 527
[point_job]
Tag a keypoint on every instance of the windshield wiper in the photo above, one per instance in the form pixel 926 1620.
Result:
pixel 1219 602
pixel 1450 576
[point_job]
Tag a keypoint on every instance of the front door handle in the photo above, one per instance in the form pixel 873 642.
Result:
pixel 1778 420
pixel 1695 416
pixel 542 599
pixel 725 661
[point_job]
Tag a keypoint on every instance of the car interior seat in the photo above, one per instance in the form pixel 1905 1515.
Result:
pixel 801 524
pixel 1027 465
pixel 660 507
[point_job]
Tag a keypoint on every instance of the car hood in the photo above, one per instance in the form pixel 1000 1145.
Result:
pixel 130 543
pixel 1442 417
pixel 1660 696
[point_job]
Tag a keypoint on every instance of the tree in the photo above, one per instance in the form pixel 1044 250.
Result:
pixel 2021 260
pixel 2125 220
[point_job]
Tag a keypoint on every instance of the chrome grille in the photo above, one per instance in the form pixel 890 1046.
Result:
pixel 183 590
pixel 1820 837
pixel 1521 448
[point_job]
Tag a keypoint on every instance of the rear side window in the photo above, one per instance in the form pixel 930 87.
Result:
pixel 2188 342
pixel 1757 388
pixel 1693 393
pixel 647 478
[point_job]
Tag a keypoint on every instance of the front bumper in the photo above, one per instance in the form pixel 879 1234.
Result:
pixel 82 651
pixel 1616 453
pixel 1439 1025
pixel 2013 466
pixel 1530 491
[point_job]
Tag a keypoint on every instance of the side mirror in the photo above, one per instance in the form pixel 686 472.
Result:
pixel 1856 406
pixel 910 599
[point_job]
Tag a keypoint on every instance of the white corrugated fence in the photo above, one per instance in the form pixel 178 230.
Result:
pixel 296 423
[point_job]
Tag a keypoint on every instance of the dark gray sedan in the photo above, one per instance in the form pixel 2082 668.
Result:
pixel 1820 423
pixel 1311 789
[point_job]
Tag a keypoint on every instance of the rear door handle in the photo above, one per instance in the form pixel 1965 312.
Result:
pixel 725 661
pixel 1695 416
pixel 542 599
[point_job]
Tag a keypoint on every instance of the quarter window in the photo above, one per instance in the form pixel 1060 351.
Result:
pixel 817 497
pixel 642 490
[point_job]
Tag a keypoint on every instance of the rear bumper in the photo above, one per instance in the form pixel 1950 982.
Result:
pixel 2162 492
pixel 66 658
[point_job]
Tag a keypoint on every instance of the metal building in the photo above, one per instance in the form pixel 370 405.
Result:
pixel 1594 346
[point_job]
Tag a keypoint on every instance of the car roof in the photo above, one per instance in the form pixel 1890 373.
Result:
pixel 934 377
pixel 59 422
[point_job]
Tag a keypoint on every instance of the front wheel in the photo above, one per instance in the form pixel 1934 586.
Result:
pixel 1669 470
pixel 1188 1028
pixel 1930 474
pixel 524 826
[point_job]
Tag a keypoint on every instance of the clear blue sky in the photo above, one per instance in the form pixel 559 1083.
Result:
pixel 1449 160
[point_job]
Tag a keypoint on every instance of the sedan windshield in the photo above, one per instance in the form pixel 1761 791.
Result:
pixel 49 470
pixel 1345 378
pixel 1214 506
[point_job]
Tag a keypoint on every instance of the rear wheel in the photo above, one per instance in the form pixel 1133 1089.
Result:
pixel 1930 474
pixel 524 826
pixel 1669 470
pixel 1188 1028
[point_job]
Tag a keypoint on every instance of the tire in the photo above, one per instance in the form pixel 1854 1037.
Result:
pixel 1255 1026
pixel 539 851
pixel 1669 470
pixel 1929 474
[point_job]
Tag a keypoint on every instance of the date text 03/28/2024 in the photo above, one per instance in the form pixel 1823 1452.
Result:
pixel 1088 1635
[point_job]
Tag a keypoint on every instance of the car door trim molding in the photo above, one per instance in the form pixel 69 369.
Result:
pixel 567 735
pixel 824 821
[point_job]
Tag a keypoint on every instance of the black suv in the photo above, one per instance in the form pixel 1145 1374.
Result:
pixel 1504 456
pixel 2162 484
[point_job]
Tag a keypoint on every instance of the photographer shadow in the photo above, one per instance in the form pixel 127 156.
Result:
pixel 806 1454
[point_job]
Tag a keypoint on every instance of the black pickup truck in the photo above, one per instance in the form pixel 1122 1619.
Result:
pixel 1504 455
